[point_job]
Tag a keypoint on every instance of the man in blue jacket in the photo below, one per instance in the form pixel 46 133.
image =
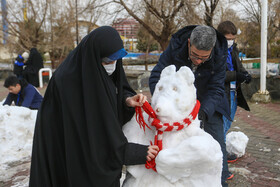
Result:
pixel 203 50
pixel 22 93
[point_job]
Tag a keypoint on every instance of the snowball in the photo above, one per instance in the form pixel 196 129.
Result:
pixel 236 143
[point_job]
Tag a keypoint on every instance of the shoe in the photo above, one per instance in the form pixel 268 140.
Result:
pixel 231 158
pixel 230 175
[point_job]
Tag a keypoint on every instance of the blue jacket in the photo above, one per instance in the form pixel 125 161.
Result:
pixel 209 76
pixel 28 97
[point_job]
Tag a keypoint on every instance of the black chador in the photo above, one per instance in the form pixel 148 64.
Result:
pixel 78 139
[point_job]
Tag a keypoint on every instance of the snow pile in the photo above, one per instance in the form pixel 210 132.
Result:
pixel 236 143
pixel 190 157
pixel 16 135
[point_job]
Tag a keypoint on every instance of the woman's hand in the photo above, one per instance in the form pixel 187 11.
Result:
pixel 136 100
pixel 152 152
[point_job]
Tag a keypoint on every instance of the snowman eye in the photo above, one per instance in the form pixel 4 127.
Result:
pixel 175 88
pixel 160 88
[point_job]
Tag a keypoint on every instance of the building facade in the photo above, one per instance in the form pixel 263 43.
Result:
pixel 128 29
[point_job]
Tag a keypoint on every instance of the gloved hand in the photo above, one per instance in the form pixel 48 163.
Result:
pixel 248 78
pixel 202 117
pixel 240 77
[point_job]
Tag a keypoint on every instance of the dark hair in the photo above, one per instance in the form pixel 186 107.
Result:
pixel 11 81
pixel 227 27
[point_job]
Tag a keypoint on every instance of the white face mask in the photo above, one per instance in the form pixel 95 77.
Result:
pixel 110 68
pixel 230 43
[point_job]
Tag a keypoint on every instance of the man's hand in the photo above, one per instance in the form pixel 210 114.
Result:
pixel 248 78
pixel 202 117
pixel 152 152
pixel 240 77
pixel 136 100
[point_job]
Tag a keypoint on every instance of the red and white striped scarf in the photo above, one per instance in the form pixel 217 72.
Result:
pixel 161 127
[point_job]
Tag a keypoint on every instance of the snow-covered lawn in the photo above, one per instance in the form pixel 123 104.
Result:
pixel 16 136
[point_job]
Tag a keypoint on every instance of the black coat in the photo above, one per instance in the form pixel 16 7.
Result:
pixel 231 76
pixel 209 76
pixel 78 139
pixel 32 67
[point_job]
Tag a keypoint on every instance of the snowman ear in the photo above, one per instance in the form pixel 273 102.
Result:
pixel 169 70
pixel 186 74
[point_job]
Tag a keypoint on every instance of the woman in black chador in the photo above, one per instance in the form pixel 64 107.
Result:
pixel 78 139
pixel 32 67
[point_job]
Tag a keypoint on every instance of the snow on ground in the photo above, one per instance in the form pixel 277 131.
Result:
pixel 139 67
pixel 16 136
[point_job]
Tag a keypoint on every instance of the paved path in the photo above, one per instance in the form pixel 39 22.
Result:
pixel 259 167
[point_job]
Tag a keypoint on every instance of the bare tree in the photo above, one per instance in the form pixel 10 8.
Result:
pixel 164 12
pixel 49 25
pixel 229 14
pixel 62 41
pixel 253 16
pixel 210 7
pixel 90 13
pixel 145 40
pixel 252 9
pixel 86 13
pixel 25 34
pixel 190 14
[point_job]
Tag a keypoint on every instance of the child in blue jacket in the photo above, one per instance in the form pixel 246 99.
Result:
pixel 18 66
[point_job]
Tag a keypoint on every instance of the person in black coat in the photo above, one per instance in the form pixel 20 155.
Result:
pixel 203 50
pixel 78 139
pixel 236 74
pixel 32 67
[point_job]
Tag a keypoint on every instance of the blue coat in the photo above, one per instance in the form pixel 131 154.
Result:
pixel 209 76
pixel 28 97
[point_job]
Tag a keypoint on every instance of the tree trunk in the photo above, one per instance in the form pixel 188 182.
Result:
pixel 163 44
pixel 146 55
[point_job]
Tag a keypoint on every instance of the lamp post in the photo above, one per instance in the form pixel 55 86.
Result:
pixel 77 26
pixel 25 10
pixel 263 46
pixel 4 20
pixel 263 95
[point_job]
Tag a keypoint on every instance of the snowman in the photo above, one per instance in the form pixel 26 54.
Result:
pixel 188 155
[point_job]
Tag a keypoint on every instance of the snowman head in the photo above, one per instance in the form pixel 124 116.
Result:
pixel 175 94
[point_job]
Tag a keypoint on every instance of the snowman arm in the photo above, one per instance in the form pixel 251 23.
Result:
pixel 180 161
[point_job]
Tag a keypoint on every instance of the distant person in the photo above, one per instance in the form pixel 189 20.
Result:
pixel 22 93
pixel 25 56
pixel 235 76
pixel 18 66
pixel 32 67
